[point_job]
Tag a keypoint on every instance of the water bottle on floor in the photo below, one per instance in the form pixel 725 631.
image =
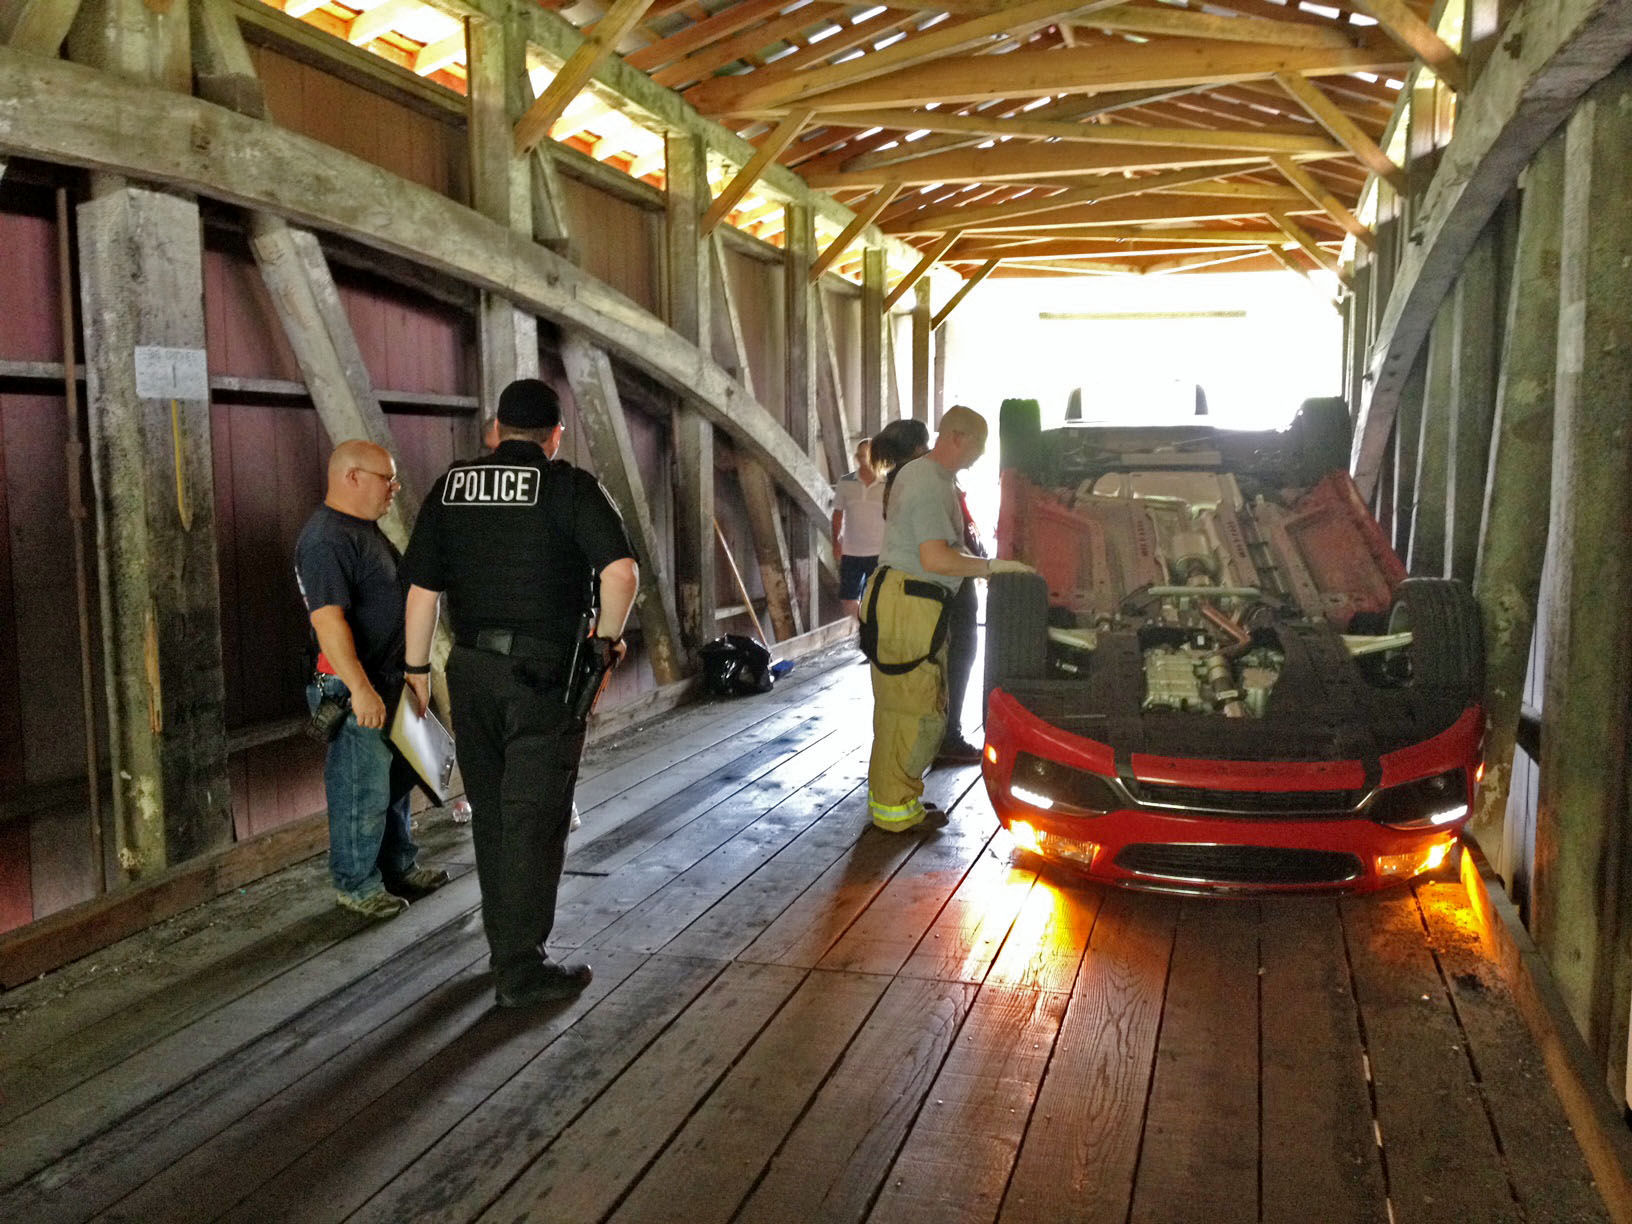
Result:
pixel 460 811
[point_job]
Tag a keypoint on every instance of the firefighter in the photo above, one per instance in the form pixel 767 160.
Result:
pixel 904 617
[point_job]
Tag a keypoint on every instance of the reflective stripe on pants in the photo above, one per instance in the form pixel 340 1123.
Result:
pixel 909 711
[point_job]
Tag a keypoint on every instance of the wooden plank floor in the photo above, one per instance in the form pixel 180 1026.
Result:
pixel 794 1018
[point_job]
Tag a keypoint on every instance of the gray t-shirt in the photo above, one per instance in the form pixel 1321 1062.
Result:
pixel 923 506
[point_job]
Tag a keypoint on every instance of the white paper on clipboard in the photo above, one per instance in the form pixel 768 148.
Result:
pixel 426 745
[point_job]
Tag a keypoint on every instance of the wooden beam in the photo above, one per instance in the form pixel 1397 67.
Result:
pixel 779 138
pixel 501 185
pixel 37 25
pixel 930 258
pixel 1420 38
pixel 250 164
pixel 1513 536
pixel 941 40
pixel 222 67
pixel 142 283
pixel 964 290
pixel 834 414
pixel 922 340
pixel 1316 193
pixel 433 57
pixel 1163 63
pixel 1474 362
pixel 866 214
pixel 1313 249
pixel 1225 234
pixel 1343 129
pixel 692 288
pixel 577 72
pixel 1132 211
pixel 606 430
pixel 1426 556
pixel 930 221
pixel 799 394
pixel 873 321
pixel 1579 899
pixel 695 34
pixel 1035 163
pixel 700 64
pixel 381 19
pixel 1077 133
pixel 1184 23
pixel 1071 108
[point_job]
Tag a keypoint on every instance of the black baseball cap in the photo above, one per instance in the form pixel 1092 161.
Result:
pixel 529 403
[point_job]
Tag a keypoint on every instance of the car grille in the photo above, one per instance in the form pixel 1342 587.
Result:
pixel 1262 804
pixel 1239 865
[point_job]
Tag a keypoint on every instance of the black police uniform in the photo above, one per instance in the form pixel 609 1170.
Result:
pixel 516 541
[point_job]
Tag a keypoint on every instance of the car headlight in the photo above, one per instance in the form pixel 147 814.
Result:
pixel 1053 787
pixel 1427 803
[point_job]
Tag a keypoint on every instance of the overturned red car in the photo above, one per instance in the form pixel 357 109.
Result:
pixel 1221 679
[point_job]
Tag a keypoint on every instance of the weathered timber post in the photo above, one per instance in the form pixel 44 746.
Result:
pixel 1427 559
pixel 142 286
pixel 1579 894
pixel 1474 355
pixel 500 188
pixel 939 393
pixel 606 430
pixel 922 371
pixel 1513 536
pixel 873 322
pixel 1407 442
pixel 799 390
pixel 687 265
pixel 1356 334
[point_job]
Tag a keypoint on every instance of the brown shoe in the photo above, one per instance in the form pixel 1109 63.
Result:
pixel 418 882
pixel 548 982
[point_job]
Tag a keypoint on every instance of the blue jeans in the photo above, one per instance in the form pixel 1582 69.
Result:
pixel 367 785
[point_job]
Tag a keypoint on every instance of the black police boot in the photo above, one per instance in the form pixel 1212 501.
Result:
pixel 544 983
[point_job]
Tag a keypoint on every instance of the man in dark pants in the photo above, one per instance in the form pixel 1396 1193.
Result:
pixel 347 571
pixel 522 546
pixel 962 641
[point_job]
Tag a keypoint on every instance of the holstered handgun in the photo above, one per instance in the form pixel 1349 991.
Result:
pixel 592 661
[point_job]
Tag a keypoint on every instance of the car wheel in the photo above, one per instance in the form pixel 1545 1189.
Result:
pixel 1324 436
pixel 1019 434
pixel 1447 649
pixel 1016 629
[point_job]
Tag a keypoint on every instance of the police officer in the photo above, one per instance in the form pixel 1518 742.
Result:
pixel 523 546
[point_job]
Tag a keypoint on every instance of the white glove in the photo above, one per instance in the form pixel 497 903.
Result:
pixel 1008 567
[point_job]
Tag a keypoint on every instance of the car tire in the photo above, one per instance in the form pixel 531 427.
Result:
pixel 1324 436
pixel 1016 629
pixel 1447 650
pixel 1019 434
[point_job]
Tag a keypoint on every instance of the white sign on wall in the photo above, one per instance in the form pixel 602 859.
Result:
pixel 171 373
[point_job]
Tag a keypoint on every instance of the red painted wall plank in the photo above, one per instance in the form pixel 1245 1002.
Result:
pixel 618 241
pixel 30 329
pixel 16 894
pixel 11 714
pixel 244 337
pixel 425 149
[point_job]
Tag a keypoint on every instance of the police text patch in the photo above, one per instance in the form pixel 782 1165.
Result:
pixel 490 485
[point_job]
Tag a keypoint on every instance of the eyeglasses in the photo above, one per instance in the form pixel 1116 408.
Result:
pixel 385 476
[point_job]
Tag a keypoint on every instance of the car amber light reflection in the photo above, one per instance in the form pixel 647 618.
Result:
pixel 1028 836
pixel 1403 866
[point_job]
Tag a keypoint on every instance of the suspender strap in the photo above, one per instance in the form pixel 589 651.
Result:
pixel 920 589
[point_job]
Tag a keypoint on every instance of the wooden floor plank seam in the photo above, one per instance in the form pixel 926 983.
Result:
pixel 1468 1053
pixel 1371 1081
pixel 1150 1080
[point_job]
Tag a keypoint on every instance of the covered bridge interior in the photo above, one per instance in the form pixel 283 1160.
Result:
pixel 734 236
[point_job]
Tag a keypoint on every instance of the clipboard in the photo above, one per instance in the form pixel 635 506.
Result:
pixel 426 745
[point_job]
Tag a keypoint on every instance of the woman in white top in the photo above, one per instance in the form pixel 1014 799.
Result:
pixel 858 526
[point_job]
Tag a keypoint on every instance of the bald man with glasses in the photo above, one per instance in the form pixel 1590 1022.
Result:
pixel 347 571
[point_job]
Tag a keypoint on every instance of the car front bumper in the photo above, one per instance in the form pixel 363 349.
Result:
pixel 1232 827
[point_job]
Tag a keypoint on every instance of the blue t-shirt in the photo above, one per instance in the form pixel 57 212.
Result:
pixel 346 562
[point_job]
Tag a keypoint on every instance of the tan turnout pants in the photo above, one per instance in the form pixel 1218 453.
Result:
pixel 909 710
